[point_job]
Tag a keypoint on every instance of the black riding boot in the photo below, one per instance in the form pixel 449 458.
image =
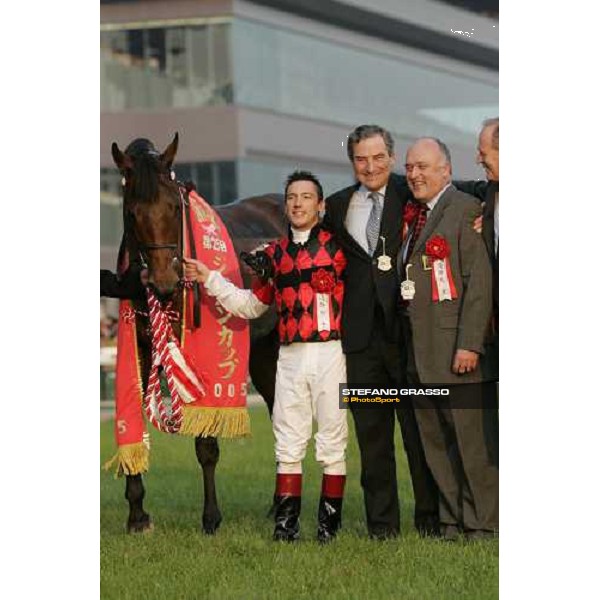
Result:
pixel 330 507
pixel 287 513
pixel 287 519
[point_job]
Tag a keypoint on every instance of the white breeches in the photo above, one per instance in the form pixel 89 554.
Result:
pixel 307 386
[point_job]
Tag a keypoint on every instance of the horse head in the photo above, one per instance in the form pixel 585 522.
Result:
pixel 152 211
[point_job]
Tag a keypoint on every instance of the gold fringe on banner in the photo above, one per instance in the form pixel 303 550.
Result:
pixel 131 459
pixel 215 422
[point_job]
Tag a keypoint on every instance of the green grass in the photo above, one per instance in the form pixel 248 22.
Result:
pixel 176 560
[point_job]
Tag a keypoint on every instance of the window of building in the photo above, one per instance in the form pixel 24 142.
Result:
pixel 161 67
pixel 297 74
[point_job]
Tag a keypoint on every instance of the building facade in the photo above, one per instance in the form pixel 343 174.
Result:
pixel 257 88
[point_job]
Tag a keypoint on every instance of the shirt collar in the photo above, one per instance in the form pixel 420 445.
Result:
pixel 431 204
pixel 365 191
pixel 301 237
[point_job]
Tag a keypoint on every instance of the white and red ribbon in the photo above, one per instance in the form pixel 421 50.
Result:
pixel 185 386
pixel 442 283
pixel 322 306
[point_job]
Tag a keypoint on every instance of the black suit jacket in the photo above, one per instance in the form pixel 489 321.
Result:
pixel 128 286
pixel 486 192
pixel 366 286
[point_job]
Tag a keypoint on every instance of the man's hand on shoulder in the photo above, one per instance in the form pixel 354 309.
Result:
pixel 475 216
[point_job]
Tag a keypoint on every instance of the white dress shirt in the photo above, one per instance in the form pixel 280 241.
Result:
pixel 358 214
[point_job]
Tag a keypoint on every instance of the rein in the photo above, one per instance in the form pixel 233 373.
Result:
pixel 195 285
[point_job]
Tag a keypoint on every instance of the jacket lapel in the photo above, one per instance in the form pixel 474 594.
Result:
pixel 405 242
pixel 434 219
pixel 390 220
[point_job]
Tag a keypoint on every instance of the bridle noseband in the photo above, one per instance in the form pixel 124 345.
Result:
pixel 143 248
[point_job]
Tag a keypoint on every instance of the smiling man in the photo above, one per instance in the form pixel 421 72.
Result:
pixel 366 219
pixel 446 293
pixel 304 277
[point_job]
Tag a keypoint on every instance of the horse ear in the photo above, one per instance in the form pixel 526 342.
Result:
pixel 168 156
pixel 121 160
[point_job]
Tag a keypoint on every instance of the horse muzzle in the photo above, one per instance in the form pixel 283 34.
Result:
pixel 164 288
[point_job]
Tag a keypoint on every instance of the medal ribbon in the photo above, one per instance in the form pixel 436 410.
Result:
pixel 442 283
pixel 322 302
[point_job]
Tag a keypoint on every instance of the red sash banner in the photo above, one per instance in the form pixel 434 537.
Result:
pixel 218 351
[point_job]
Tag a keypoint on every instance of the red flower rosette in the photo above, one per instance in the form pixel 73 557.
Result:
pixel 437 248
pixel 322 282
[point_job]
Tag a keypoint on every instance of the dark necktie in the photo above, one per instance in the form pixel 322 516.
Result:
pixel 374 222
pixel 420 221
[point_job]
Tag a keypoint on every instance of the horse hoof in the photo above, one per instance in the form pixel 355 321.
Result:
pixel 210 527
pixel 140 526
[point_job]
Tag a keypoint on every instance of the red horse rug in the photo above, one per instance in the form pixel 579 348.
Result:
pixel 206 370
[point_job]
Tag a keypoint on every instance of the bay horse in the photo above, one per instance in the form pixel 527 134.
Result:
pixel 152 219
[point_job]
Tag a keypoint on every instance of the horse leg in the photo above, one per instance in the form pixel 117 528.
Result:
pixel 207 452
pixel 138 520
pixel 264 353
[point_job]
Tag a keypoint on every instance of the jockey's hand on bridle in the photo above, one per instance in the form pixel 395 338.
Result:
pixel 194 270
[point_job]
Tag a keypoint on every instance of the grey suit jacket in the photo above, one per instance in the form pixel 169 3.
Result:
pixel 440 328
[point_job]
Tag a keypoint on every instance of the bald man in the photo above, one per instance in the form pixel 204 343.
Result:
pixel 446 290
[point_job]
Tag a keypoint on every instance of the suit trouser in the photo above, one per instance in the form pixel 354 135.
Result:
pixel 461 447
pixel 459 457
pixel 380 365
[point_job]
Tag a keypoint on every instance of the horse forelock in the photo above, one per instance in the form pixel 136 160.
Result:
pixel 144 179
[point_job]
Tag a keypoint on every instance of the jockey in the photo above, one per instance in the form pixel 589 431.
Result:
pixel 302 274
